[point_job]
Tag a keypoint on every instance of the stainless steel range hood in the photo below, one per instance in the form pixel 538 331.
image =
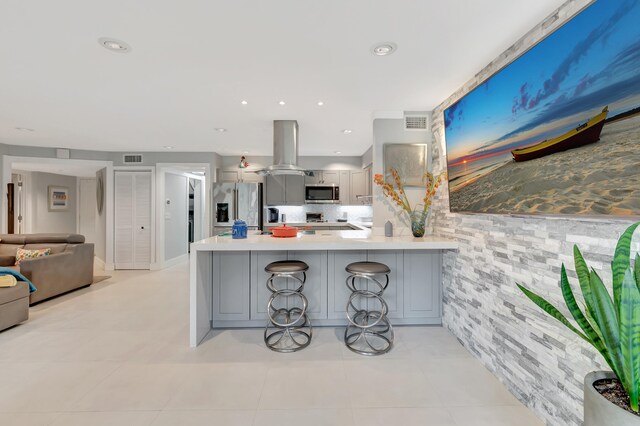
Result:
pixel 285 150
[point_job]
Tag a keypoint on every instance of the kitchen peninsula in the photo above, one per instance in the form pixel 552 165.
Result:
pixel 227 277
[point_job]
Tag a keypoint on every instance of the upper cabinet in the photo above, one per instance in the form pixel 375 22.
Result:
pixel 235 174
pixel 361 187
pixel 355 187
pixel 323 177
pixel 284 190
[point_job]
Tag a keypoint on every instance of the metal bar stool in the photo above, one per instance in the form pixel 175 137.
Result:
pixel 289 328
pixel 369 331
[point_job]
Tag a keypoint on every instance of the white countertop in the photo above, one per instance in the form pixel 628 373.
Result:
pixel 329 240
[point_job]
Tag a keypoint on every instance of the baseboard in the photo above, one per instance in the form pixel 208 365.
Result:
pixel 99 262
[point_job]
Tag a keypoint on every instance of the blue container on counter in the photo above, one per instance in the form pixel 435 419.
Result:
pixel 239 229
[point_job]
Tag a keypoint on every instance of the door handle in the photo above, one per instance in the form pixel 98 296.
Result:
pixel 142 227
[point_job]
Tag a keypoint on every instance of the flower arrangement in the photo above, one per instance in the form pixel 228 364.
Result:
pixel 395 191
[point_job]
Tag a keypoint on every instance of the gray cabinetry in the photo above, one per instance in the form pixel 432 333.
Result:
pixel 338 291
pixel 233 175
pixel 422 289
pixel 345 187
pixel 323 177
pixel 331 177
pixel 259 292
pixel 361 185
pixel 315 179
pixel 315 288
pixel 240 295
pixel 393 295
pixel 294 190
pixel 285 190
pixel 230 289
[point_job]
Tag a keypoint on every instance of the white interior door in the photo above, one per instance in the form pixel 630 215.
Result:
pixel 87 209
pixel 132 220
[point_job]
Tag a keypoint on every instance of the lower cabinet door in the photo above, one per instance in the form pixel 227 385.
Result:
pixel 315 288
pixel 422 284
pixel 259 292
pixel 393 295
pixel 338 296
pixel 230 273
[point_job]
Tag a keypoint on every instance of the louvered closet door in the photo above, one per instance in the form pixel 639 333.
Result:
pixel 142 220
pixel 132 220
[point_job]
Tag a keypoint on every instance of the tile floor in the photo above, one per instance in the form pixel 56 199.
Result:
pixel 117 354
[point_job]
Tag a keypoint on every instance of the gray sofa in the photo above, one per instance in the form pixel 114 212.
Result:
pixel 14 305
pixel 68 267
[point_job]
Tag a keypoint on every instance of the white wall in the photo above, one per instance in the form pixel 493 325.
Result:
pixel 39 216
pixel 386 131
pixel 175 219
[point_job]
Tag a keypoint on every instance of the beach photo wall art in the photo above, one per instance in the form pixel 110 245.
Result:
pixel 557 131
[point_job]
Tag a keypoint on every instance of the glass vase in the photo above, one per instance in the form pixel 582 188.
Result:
pixel 418 221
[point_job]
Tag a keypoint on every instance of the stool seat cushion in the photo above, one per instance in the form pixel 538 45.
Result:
pixel 286 266
pixel 367 268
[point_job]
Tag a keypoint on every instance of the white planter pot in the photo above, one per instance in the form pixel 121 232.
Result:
pixel 599 411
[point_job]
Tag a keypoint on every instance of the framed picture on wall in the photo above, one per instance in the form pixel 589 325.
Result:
pixel 58 198
pixel 409 160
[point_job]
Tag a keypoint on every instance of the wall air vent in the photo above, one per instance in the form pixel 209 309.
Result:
pixel 415 122
pixel 132 159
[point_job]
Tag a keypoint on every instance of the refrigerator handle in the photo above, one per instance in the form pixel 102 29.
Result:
pixel 235 204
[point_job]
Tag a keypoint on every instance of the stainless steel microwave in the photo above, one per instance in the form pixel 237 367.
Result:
pixel 322 194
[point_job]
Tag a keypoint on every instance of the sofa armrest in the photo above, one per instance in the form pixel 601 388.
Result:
pixel 58 273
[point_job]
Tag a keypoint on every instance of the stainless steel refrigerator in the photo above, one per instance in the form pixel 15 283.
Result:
pixel 233 201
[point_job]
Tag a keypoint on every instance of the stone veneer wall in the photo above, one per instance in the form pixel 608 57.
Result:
pixel 540 362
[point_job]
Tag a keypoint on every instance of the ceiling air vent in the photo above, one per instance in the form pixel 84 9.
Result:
pixel 132 158
pixel 415 122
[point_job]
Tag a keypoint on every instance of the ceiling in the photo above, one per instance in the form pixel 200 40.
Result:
pixel 193 61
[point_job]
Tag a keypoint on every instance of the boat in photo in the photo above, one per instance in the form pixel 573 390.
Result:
pixel 584 134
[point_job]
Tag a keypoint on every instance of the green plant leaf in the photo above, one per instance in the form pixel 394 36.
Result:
pixel 606 317
pixel 630 335
pixel 593 337
pixel 637 270
pixel 551 310
pixel 594 324
pixel 582 270
pixel 621 260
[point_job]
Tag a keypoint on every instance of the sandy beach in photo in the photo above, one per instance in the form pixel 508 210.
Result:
pixel 601 178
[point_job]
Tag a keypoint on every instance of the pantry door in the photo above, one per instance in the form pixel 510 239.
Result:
pixel 132 220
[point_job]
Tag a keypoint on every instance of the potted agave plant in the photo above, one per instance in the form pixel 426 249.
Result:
pixel 396 192
pixel 612 327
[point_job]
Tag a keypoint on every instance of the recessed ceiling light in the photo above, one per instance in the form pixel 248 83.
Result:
pixel 338 152
pixel 281 102
pixel 114 45
pixel 24 129
pixel 245 152
pixel 384 49
pixel 220 129
pixel 168 147
pixel 244 102
pixel 347 131
pixel 320 103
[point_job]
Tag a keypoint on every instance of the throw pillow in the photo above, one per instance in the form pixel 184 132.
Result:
pixel 24 254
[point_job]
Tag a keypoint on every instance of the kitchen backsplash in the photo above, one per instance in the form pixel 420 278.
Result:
pixel 332 213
